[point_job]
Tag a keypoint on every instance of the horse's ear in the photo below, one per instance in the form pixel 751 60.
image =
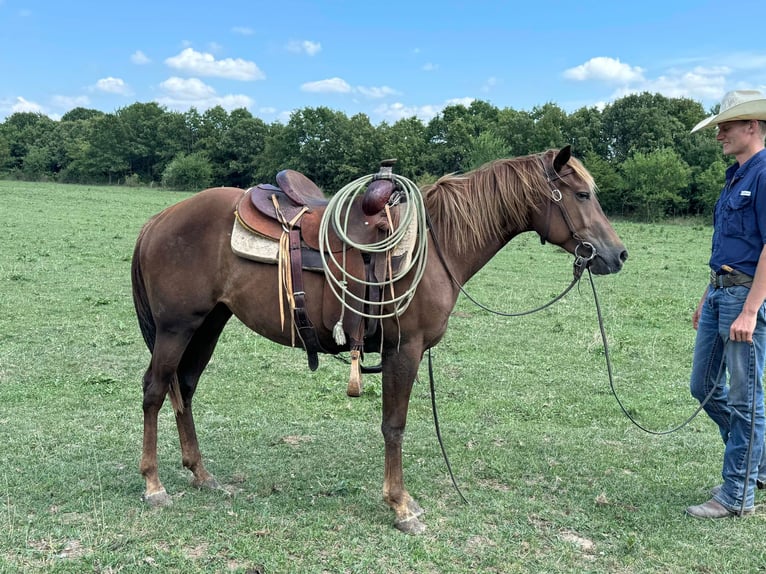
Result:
pixel 562 158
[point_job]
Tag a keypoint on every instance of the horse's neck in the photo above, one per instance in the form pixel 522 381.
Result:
pixel 463 266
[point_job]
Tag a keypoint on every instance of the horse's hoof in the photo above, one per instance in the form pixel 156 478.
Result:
pixel 414 508
pixel 410 525
pixel 209 483
pixel 354 389
pixel 157 499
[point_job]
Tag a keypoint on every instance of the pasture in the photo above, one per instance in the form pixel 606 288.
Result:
pixel 557 479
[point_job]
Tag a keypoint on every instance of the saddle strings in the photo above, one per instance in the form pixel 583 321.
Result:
pixel 284 272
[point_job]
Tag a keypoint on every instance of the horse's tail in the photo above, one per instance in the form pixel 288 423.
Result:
pixel 140 299
pixel 145 318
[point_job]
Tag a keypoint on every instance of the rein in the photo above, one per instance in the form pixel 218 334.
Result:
pixel 580 265
pixel 611 378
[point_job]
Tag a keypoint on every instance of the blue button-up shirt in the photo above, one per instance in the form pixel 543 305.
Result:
pixel 739 222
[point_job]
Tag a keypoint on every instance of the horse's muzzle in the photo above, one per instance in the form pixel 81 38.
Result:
pixel 608 261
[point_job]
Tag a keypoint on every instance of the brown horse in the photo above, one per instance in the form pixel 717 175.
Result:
pixel 187 283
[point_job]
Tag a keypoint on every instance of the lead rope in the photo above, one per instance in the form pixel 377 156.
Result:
pixel 438 428
pixel 611 378
pixel 748 469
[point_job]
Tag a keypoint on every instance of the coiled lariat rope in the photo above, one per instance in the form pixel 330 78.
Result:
pixel 336 217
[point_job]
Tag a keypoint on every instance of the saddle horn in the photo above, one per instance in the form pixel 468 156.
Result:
pixel 378 193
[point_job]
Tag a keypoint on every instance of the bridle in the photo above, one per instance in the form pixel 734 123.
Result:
pixel 581 260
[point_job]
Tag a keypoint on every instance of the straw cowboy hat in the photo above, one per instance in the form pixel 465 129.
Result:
pixel 737 105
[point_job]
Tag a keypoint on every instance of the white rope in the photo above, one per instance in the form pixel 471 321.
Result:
pixel 336 217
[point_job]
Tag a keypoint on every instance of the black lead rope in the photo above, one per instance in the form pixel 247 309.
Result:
pixel 438 428
pixel 702 404
pixel 611 378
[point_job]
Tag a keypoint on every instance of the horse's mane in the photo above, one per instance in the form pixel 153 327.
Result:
pixel 484 204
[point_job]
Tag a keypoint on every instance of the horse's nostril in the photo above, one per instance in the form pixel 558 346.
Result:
pixel 624 256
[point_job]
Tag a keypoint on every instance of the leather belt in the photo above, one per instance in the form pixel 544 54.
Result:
pixel 730 279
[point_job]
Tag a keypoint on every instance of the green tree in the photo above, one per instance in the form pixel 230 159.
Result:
pixel 450 135
pixel 486 147
pixel 241 144
pixel 583 129
pixel 103 158
pixel 145 145
pixel 405 141
pixel 24 131
pixel 654 183
pixel 641 123
pixel 708 184
pixel 549 121
pixel 315 143
pixel 77 114
pixel 611 186
pixel 188 172
pixel 517 129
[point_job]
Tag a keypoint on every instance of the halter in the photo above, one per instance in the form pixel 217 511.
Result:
pixel 581 260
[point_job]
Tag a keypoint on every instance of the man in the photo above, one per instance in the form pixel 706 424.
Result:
pixel 731 316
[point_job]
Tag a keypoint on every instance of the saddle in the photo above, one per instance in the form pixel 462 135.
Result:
pixel 291 213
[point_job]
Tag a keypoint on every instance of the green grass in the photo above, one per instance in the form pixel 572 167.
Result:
pixel 557 479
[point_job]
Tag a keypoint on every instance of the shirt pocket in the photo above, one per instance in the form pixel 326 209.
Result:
pixel 738 216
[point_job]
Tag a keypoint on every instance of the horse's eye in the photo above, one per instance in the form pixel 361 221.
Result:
pixel 582 195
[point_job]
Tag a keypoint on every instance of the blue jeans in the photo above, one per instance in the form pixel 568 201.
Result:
pixel 731 408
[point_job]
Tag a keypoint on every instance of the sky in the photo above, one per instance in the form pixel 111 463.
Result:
pixel 387 59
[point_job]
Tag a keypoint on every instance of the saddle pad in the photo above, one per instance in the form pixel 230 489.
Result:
pixel 247 244
pixel 255 247
pixel 406 244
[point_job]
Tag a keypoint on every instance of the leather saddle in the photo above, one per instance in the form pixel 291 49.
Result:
pixel 296 207
pixel 267 209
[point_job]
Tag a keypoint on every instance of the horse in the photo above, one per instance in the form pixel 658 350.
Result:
pixel 187 283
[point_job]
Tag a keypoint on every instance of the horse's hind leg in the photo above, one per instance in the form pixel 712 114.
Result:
pixel 195 359
pixel 159 378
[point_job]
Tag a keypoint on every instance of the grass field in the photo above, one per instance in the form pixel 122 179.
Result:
pixel 557 479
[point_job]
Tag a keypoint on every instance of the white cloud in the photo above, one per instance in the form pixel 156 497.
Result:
pixel 341 86
pixel 184 93
pixel 459 102
pixel 398 111
pixel 187 88
pixel 700 83
pixel 489 84
pixel 202 64
pixel 376 92
pixel 606 70
pixel 23 105
pixel 304 47
pixel 138 57
pixel 112 86
pixel 429 67
pixel 69 102
pixel 329 86
pixel 243 30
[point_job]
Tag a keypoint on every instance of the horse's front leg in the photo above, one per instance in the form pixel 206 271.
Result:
pixel 190 453
pixel 399 371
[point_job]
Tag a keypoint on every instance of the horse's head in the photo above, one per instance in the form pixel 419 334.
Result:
pixel 572 216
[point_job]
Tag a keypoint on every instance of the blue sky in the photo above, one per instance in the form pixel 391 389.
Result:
pixel 387 59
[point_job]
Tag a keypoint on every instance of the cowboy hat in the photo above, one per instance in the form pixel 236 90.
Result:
pixel 737 105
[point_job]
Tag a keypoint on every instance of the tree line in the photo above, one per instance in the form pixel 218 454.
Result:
pixel 638 148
